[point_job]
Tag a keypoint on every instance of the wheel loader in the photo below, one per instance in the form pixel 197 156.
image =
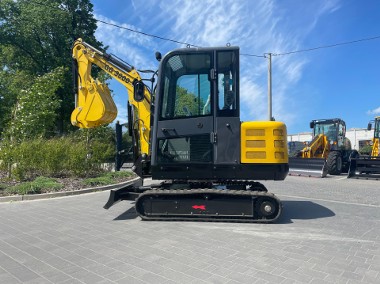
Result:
pixel 329 151
pixel 368 166
pixel 187 135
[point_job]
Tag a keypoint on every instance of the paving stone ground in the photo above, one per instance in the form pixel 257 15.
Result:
pixel 329 232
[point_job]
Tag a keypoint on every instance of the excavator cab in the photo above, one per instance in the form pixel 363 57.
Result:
pixel 192 114
pixel 197 132
pixel 333 129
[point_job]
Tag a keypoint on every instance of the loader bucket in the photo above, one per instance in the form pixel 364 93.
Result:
pixel 367 167
pixel 309 167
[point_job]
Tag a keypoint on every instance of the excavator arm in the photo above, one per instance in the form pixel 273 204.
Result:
pixel 94 103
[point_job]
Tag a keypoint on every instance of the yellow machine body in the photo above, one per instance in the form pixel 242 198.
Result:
pixel 264 142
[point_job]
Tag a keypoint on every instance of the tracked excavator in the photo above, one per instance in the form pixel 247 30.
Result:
pixel 188 139
pixel 368 166
pixel 329 152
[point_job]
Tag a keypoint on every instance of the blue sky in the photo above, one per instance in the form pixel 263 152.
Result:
pixel 342 81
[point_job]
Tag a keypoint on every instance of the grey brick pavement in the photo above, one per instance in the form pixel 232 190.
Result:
pixel 329 233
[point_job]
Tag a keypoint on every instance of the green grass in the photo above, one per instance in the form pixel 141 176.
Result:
pixel 39 185
pixel 107 178
pixel 44 184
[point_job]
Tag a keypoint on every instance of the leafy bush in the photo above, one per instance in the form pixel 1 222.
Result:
pixel 58 157
pixel 39 185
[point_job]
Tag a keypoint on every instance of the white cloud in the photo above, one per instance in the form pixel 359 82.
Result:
pixel 374 111
pixel 256 27
pixel 322 8
pixel 127 45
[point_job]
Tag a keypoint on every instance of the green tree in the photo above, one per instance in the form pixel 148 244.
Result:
pixel 10 85
pixel 35 111
pixel 36 38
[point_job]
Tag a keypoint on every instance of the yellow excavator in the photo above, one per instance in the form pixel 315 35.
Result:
pixel 368 166
pixel 187 136
pixel 329 152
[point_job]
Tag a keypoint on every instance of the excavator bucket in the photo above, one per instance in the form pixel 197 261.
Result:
pixel 309 167
pixel 365 167
pixel 95 108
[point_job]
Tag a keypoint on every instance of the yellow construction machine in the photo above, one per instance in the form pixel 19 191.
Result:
pixel 187 136
pixel 329 152
pixel 368 166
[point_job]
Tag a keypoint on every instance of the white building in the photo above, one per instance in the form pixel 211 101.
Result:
pixel 359 137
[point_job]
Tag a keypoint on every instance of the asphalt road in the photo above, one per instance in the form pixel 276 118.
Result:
pixel 329 232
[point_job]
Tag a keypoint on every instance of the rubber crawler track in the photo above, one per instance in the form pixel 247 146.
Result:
pixel 157 193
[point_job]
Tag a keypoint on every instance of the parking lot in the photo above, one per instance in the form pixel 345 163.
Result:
pixel 329 232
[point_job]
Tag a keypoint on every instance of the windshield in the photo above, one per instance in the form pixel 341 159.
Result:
pixel 186 86
pixel 328 129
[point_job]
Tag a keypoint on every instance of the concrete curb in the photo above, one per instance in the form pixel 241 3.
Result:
pixel 25 197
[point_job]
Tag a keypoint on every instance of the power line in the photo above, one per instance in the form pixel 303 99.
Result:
pixel 146 34
pixel 326 46
pixel 243 54
pixel 167 39
pixel 252 55
pixel 247 54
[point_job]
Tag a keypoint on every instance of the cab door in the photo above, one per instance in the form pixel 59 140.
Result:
pixel 227 117
pixel 183 138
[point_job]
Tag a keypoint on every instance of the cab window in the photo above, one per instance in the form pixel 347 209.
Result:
pixel 187 87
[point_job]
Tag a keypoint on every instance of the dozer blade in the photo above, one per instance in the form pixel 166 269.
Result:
pixel 129 192
pixel 309 167
pixel 365 167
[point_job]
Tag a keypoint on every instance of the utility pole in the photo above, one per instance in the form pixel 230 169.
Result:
pixel 270 117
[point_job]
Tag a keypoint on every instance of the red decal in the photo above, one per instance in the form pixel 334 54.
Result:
pixel 201 207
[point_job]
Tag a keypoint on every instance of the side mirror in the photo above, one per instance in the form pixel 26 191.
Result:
pixel 312 124
pixel 158 56
pixel 138 91
pixel 369 127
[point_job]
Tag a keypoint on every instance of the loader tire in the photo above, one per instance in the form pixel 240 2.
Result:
pixel 334 163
